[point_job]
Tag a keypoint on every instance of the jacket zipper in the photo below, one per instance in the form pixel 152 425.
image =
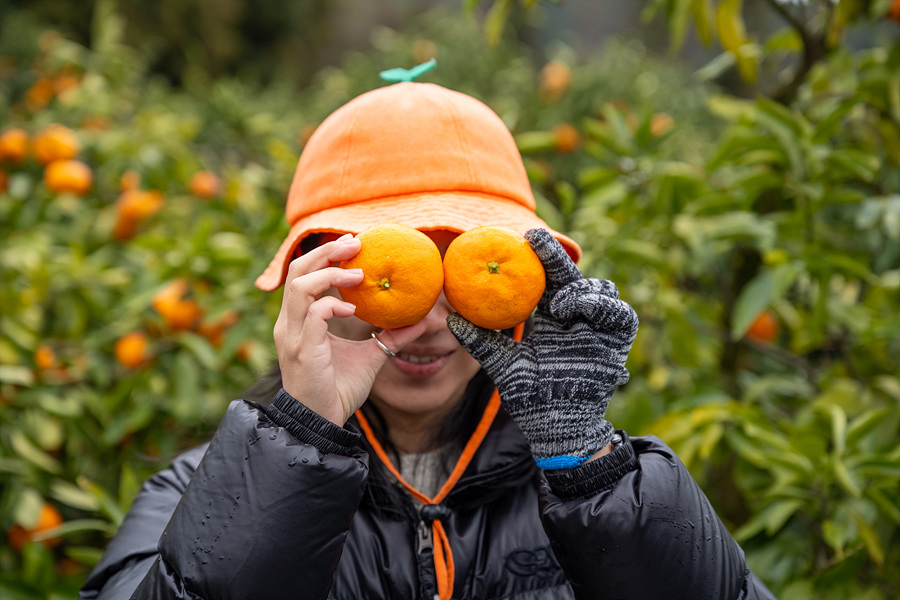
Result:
pixel 425 542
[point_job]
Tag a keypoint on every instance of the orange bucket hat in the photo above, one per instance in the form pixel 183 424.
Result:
pixel 412 153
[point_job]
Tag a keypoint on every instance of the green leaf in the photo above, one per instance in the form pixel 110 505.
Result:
pixel 888 506
pixel 17 375
pixel 22 446
pixel 702 11
pixel 406 75
pixel 74 496
pixel 733 36
pixel 845 478
pixel 495 21
pixel 760 293
pixel 201 349
pixel 771 519
pixel 76 526
pixel 864 424
pixel 838 428
pixel 870 538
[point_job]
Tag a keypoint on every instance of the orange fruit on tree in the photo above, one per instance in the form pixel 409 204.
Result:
pixel 402 276
pixel 492 277
pixel 205 184
pixel 132 350
pixel 14 145
pixel 130 180
pixel 660 124
pixel 132 207
pixel 55 143
pixel 48 518
pixel 566 137
pixel 764 328
pixel 45 357
pixel 71 176
pixel 178 312
pixel 556 79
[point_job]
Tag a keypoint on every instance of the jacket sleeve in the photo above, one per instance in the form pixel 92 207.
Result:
pixel 635 524
pixel 240 522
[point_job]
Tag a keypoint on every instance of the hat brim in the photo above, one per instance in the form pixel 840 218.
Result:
pixel 452 211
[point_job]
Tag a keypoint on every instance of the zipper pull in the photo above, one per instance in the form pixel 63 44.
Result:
pixel 424 537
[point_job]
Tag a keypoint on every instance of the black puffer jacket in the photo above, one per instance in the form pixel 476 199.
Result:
pixel 274 507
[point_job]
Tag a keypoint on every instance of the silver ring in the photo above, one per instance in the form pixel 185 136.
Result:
pixel 382 346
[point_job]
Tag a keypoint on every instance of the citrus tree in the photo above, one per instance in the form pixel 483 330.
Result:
pixel 757 236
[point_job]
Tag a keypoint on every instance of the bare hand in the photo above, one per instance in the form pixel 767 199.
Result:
pixel 329 375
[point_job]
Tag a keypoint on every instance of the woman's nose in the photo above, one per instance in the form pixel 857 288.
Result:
pixel 437 316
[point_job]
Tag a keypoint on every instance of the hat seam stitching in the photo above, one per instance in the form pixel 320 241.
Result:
pixel 346 159
pixel 459 138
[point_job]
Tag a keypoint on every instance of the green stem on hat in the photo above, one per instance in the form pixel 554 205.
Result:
pixel 400 74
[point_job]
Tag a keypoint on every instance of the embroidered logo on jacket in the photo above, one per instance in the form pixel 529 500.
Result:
pixel 539 562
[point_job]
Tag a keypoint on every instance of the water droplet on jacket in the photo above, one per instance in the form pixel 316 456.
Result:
pixel 203 561
pixel 238 497
pixel 273 436
pixel 305 460
pixel 293 462
pixel 207 515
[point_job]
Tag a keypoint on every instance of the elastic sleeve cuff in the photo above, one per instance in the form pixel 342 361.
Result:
pixel 311 428
pixel 596 476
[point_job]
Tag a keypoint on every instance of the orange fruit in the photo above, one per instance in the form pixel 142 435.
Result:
pixel 178 312
pixel 567 138
pixel 55 143
pixel 764 328
pixel 492 277
pixel 44 357
pixel 205 184
pixel 132 207
pixel 130 180
pixel 894 11
pixel 40 94
pixel 660 124
pixel 131 350
pixel 71 176
pixel 48 519
pixel 402 276
pixel 214 331
pixel 556 79
pixel 14 145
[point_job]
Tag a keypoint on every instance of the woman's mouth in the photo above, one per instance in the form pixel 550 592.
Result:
pixel 419 366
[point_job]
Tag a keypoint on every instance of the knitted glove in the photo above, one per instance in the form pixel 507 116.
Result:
pixel 556 384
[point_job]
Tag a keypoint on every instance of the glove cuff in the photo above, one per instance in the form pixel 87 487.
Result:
pixel 563 453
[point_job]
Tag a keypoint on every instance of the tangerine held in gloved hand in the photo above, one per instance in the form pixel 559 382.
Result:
pixel 556 384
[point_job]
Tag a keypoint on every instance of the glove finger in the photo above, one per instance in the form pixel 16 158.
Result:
pixel 592 301
pixel 558 267
pixel 490 348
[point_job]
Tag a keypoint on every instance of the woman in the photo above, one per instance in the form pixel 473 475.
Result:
pixel 445 493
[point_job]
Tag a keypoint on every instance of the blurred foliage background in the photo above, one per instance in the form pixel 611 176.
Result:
pixel 733 166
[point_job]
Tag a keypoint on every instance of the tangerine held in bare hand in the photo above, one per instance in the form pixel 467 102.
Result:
pixel 402 276
pixel 492 277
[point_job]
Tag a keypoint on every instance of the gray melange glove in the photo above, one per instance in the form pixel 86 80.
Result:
pixel 556 384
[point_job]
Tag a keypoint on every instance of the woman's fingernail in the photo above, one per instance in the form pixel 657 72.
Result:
pixel 346 237
pixel 354 271
pixel 350 306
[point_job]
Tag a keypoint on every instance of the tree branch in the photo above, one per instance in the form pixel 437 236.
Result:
pixel 815 48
